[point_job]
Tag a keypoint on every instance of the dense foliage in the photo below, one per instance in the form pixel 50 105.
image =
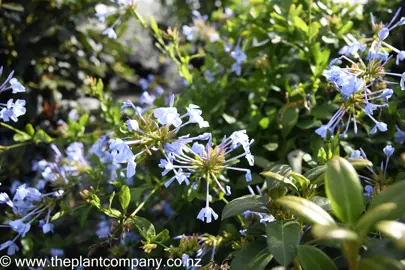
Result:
pixel 278 146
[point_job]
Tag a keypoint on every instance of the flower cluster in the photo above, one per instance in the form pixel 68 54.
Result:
pixel 150 130
pixel 200 27
pixel 12 109
pixel 150 84
pixel 28 204
pixel 103 12
pixel 200 161
pixel 362 85
pixel 379 179
pixel 239 56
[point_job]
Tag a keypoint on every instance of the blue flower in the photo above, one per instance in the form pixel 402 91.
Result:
pixel 12 110
pixel 57 252
pixel 383 33
pixel 167 116
pixel 356 154
pixel 191 33
pixel 109 31
pixel 16 86
pixel 20 226
pixel 132 125
pixel 352 50
pixel 399 136
pixel 103 229
pixel 206 214
pixel 12 248
pixel 388 150
pixel 400 57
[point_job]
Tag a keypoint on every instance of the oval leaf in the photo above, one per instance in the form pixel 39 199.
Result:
pixel 344 190
pixel 307 210
pixel 360 163
pixel 125 197
pixel 394 230
pixel 393 194
pixel 369 219
pixel 250 202
pixel 333 233
pixel 312 258
pixel 282 240
pixel 380 263
pixel 254 256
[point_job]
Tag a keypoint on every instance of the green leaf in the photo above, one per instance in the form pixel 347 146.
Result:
pixel 328 232
pixel 30 130
pixel 154 26
pixel 360 163
pixel 12 6
pixel 380 263
pixel 306 210
pixel 125 197
pixel 42 137
pixel 280 178
pixel 282 240
pixel 304 182
pixel 253 256
pixel 299 23
pixel 57 215
pixel 370 218
pixel 288 119
pixel 394 193
pixel 315 173
pixel 162 236
pixel 312 258
pixel 344 190
pixel 249 202
pixel 21 137
pixel 393 230
pixel 145 227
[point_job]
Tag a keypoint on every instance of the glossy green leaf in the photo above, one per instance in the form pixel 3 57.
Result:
pixel 394 193
pixel 240 205
pixel 145 227
pixel 370 218
pixel 328 232
pixel 280 178
pixel 304 182
pixel 282 240
pixel 254 256
pixel 360 163
pixel 380 263
pixel 312 258
pixel 306 210
pixel 344 190
pixel 125 197
pixel 393 230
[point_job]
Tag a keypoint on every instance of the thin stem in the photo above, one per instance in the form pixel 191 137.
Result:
pixel 144 202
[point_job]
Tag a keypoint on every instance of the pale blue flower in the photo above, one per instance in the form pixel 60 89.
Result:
pixel 400 57
pixel 383 33
pixel 132 125
pixel 57 252
pixel 399 136
pixel 12 248
pixel 167 116
pixel 388 150
pixel 20 227
pixel 16 86
pixel 146 98
pixel 206 214
pixel 109 31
